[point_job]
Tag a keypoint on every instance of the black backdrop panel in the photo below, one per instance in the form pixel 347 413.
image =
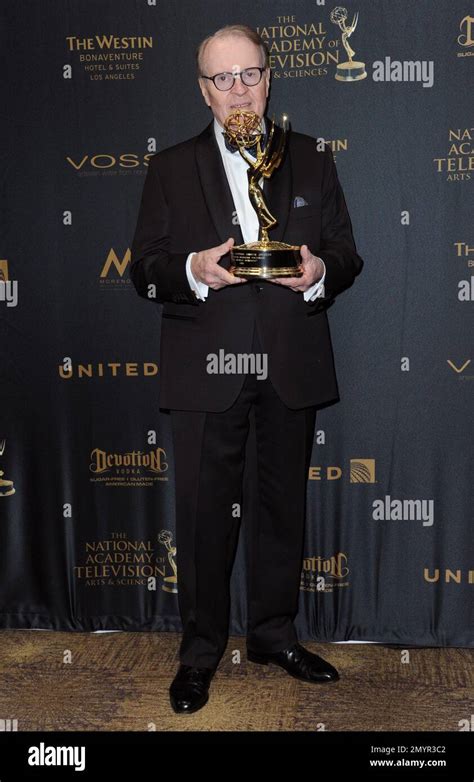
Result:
pixel 90 90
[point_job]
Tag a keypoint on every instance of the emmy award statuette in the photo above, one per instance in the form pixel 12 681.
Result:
pixel 264 259
pixel 350 70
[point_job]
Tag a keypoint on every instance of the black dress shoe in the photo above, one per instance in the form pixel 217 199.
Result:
pixel 189 690
pixel 298 662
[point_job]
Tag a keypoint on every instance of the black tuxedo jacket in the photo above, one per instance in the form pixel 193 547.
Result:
pixel 187 206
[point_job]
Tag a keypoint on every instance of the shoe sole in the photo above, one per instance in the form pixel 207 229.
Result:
pixel 257 658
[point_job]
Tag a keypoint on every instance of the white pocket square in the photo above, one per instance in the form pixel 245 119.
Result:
pixel 299 201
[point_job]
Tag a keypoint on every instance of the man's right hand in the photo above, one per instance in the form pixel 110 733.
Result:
pixel 205 267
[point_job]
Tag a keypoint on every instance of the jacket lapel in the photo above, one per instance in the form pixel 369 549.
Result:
pixel 215 187
pixel 277 190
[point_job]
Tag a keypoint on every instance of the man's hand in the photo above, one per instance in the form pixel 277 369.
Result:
pixel 312 272
pixel 205 267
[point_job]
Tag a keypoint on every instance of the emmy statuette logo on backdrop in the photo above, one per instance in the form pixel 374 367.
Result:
pixel 165 537
pixel 350 70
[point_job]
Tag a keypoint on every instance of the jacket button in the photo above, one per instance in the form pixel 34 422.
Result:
pixel 258 288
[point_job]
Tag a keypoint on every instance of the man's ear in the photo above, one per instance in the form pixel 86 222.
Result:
pixel 203 88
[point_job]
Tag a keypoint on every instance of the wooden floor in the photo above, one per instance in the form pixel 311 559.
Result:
pixel 120 681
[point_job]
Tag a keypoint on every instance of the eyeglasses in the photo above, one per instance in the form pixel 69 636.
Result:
pixel 225 81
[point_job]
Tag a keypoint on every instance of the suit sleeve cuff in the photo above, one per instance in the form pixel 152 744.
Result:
pixel 317 289
pixel 200 288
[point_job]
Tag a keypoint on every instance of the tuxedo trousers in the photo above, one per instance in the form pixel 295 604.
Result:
pixel 209 457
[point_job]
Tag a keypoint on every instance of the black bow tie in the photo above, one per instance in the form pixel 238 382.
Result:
pixel 250 148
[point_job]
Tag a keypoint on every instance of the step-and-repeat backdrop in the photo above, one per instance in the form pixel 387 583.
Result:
pixel 90 91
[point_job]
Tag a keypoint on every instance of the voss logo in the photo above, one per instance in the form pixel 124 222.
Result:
pixel 103 160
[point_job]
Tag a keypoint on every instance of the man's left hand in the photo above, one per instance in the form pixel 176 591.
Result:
pixel 312 272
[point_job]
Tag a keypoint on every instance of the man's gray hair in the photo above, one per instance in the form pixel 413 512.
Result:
pixel 233 29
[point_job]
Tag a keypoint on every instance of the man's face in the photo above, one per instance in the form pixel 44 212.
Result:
pixel 231 54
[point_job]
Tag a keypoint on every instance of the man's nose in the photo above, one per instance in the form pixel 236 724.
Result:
pixel 239 88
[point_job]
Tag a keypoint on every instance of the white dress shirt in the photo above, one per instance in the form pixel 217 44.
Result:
pixel 236 171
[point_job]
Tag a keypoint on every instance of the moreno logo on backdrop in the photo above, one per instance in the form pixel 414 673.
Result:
pixel 113 271
pixel 459 367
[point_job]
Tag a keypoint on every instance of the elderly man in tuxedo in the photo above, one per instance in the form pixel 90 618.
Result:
pixel 195 206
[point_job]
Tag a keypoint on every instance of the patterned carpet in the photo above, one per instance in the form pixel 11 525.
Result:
pixel 120 681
